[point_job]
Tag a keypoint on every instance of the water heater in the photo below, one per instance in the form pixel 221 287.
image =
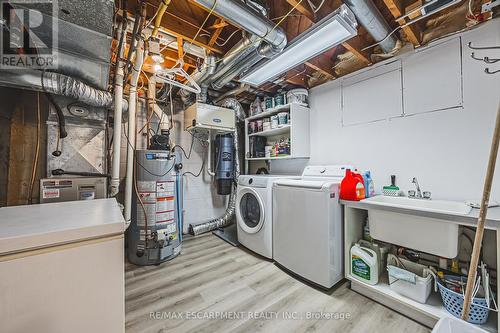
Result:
pixel 154 234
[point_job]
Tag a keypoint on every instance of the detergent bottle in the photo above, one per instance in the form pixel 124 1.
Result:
pixel 369 187
pixel 364 264
pixel 352 187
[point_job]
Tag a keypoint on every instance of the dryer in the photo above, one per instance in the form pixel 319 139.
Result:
pixel 254 216
pixel 308 228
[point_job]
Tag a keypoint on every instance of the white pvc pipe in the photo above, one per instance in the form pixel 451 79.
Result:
pixel 209 157
pixel 117 126
pixel 132 104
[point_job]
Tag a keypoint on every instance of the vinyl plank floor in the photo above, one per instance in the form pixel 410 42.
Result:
pixel 215 287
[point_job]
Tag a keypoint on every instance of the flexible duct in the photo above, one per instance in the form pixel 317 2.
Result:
pixel 226 218
pixel 58 84
pixel 372 20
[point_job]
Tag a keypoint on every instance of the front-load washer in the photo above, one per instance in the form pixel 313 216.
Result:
pixel 254 214
pixel 308 228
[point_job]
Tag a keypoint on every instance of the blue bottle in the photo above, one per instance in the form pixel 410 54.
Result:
pixel 369 187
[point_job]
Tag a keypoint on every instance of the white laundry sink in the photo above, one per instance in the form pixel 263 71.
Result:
pixel 427 234
pixel 435 206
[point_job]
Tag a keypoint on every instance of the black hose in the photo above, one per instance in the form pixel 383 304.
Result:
pixel 61 172
pixel 60 115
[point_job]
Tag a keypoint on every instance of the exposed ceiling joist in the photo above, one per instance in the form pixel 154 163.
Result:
pixel 182 27
pixel 413 33
pixel 219 26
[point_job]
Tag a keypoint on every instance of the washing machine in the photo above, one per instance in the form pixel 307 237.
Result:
pixel 308 228
pixel 254 215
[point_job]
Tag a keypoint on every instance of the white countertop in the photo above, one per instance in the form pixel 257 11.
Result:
pixel 36 226
pixel 492 217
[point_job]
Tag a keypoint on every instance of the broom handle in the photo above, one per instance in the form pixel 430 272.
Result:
pixel 471 279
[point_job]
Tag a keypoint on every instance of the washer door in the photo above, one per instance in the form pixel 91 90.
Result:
pixel 250 210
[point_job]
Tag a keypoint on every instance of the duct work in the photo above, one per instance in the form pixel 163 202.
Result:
pixel 226 218
pixel 58 84
pixel 261 40
pixel 372 20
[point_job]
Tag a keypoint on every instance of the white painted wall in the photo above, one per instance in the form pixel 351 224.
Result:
pixel 447 150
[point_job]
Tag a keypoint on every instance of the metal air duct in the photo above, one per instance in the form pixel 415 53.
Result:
pixel 246 18
pixel 372 20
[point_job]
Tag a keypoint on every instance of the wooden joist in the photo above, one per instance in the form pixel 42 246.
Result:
pixel 185 28
pixel 218 26
pixel 413 33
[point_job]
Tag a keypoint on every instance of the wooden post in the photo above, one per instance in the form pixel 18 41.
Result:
pixel 482 217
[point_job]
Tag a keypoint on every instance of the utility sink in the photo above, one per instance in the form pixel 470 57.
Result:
pixel 427 234
pixel 435 206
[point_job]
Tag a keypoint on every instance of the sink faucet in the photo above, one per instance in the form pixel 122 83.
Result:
pixel 418 194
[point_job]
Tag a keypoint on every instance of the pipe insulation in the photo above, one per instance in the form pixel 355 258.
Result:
pixel 134 79
pixel 372 20
pixel 226 218
pixel 58 84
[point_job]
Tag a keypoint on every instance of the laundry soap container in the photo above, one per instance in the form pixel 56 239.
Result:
pixel 352 187
pixel 364 264
pixel 409 279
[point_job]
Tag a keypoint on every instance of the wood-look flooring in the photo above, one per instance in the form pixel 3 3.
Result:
pixel 211 279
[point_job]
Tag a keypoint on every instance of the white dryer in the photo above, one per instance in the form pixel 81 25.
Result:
pixel 308 228
pixel 254 214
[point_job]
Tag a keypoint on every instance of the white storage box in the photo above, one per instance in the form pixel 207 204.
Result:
pixel 455 325
pixel 409 279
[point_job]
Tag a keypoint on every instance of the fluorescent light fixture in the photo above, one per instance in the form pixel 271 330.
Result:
pixel 337 27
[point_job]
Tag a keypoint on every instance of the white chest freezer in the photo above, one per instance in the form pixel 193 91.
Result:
pixel 62 267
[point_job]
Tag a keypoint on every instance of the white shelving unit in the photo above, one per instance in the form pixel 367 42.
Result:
pixel 297 131
pixel 427 314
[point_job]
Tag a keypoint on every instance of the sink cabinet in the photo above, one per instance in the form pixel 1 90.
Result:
pixel 355 215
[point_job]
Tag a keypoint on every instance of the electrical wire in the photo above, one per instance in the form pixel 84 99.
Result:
pixel 37 149
pixel 228 38
pixel 142 166
pixel 201 168
pixel 315 8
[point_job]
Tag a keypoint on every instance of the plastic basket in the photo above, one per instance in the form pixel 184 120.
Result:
pixel 454 303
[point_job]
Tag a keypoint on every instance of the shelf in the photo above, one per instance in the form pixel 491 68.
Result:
pixel 275 131
pixel 270 112
pixel 433 308
pixel 286 157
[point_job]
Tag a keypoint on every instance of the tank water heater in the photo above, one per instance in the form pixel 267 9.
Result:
pixel 224 170
pixel 155 233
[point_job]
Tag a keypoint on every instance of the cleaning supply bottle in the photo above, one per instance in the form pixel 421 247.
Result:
pixel 364 264
pixel 369 187
pixel 352 187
